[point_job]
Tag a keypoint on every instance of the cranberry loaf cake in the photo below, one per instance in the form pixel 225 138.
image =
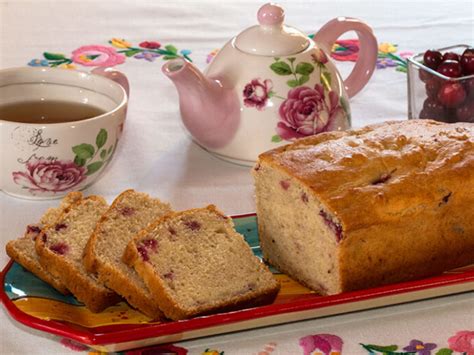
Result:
pixel 130 212
pixel 22 250
pixel 195 263
pixel 342 211
pixel 60 247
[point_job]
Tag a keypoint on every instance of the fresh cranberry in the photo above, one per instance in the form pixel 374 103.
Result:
pixel 424 115
pixel 432 88
pixel 450 68
pixel 469 86
pixel 426 77
pixel 465 113
pixel 450 115
pixel 432 59
pixel 438 116
pixel 434 108
pixel 467 61
pixel 451 94
pixel 451 56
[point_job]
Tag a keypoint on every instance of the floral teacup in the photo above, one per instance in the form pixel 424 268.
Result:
pixel 47 160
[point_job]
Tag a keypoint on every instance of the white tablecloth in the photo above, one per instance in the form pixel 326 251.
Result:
pixel 157 156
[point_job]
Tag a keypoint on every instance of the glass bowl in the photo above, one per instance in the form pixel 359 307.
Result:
pixel 425 99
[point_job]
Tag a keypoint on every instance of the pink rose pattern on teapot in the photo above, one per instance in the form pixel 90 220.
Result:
pixel 256 93
pixel 306 110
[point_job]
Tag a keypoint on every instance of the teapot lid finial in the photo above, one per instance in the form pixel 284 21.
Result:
pixel 271 15
pixel 271 37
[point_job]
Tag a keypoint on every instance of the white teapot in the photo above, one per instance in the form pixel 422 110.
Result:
pixel 269 85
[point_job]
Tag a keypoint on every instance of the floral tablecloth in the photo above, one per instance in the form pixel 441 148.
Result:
pixel 156 155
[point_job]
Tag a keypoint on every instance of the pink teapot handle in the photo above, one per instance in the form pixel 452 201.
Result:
pixel 115 75
pixel 365 65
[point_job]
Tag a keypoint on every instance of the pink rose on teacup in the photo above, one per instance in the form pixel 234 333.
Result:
pixel 43 175
pixel 256 93
pixel 97 56
pixel 308 111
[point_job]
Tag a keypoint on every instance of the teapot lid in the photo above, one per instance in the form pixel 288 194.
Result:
pixel 271 37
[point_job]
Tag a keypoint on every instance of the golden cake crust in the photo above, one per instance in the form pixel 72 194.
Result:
pixel 384 166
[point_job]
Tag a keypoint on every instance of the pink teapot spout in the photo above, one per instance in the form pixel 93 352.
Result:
pixel 209 111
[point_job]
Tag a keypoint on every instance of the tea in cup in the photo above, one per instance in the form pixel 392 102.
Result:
pixel 59 128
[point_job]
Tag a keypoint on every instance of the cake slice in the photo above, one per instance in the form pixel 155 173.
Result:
pixel 130 212
pixel 60 248
pixel 195 263
pixel 22 250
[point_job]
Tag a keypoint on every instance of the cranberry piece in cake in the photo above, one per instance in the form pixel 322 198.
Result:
pixel 193 225
pixel 150 244
pixel 285 184
pixel 33 229
pixel 335 227
pixel 59 248
pixel 127 211
pixel 60 226
pixel 143 252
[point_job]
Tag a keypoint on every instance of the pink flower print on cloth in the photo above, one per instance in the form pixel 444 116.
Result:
pixel 256 93
pixel 327 344
pixel 463 342
pixel 97 56
pixel 150 44
pixel 43 175
pixel 346 50
pixel 418 347
pixel 308 111
pixel 147 55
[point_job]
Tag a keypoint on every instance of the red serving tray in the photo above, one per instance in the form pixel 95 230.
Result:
pixel 295 306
